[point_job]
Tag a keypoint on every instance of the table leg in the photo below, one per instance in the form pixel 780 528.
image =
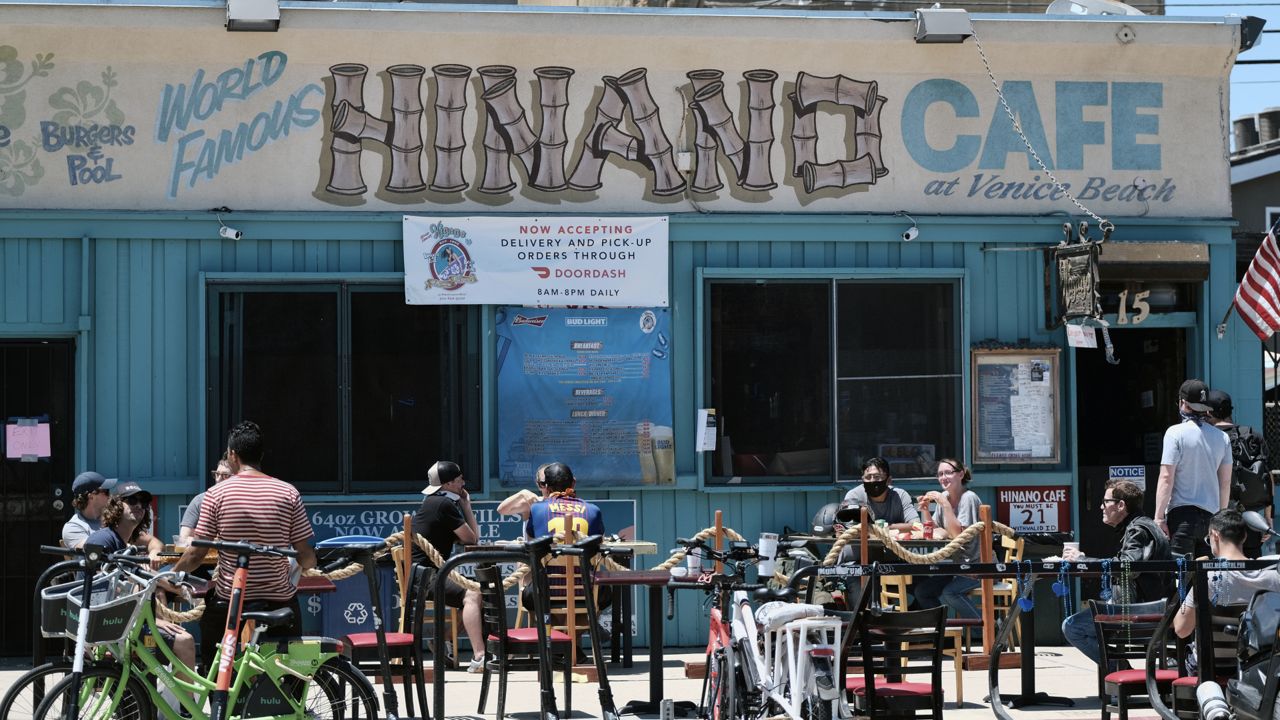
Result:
pixel 654 703
pixel 1031 696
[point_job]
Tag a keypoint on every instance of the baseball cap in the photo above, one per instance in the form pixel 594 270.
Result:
pixel 129 488
pixel 1196 395
pixel 1219 404
pixel 89 481
pixel 441 473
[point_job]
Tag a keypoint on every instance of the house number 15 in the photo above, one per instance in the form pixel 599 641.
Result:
pixel 1140 307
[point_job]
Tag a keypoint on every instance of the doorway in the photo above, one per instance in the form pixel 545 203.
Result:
pixel 1122 412
pixel 37 380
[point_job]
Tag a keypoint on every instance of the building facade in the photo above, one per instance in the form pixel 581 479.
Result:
pixel 199 226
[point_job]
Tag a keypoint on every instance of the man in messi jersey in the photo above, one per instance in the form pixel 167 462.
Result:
pixel 563 510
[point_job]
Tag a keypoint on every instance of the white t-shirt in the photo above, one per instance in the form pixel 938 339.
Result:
pixel 1196 451
pixel 1237 587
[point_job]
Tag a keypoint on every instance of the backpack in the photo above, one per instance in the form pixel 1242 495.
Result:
pixel 1250 479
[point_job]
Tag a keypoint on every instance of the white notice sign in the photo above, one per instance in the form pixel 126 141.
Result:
pixel 536 261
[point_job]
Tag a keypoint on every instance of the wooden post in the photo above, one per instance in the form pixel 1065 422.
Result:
pixel 719 539
pixel 988 598
pixel 406 570
pixel 863 534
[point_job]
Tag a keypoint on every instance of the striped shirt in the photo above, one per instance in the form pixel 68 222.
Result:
pixel 257 509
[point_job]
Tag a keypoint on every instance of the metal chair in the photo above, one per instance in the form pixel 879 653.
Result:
pixel 403 648
pixel 901 644
pixel 1124 632
pixel 1185 704
pixel 893 594
pixel 515 649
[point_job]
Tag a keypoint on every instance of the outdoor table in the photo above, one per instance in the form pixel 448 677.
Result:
pixel 656 581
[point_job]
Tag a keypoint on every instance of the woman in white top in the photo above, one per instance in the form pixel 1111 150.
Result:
pixel 957 509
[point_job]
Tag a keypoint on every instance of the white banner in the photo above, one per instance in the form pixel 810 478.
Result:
pixel 598 261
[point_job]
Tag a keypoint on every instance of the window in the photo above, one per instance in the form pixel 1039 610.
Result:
pixel 355 391
pixel 888 353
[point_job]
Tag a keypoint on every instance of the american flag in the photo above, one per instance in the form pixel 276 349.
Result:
pixel 1258 297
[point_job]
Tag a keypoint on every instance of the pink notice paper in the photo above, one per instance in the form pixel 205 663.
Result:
pixel 27 442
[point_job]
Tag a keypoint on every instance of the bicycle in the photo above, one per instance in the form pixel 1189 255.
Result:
pixel 792 671
pixel 300 678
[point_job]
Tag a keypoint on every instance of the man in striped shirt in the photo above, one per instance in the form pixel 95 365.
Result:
pixel 250 506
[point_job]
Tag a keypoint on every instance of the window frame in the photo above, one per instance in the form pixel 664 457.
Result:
pixel 213 286
pixel 705 277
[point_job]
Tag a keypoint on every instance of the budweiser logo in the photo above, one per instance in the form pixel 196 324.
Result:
pixel 534 321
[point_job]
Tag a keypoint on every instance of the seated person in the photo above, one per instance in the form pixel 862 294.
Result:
pixel 445 518
pixel 128 511
pixel 1140 539
pixel 562 511
pixel 882 500
pixel 519 503
pixel 957 510
pixel 1227 535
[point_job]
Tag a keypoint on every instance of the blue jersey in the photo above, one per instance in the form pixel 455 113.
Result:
pixel 555 515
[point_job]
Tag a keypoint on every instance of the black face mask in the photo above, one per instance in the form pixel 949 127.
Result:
pixel 875 489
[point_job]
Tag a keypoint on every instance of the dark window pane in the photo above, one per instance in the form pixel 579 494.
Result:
pixel 770 378
pixel 397 408
pixel 896 329
pixel 899 377
pixel 289 384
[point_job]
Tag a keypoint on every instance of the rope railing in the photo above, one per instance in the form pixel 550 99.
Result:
pixel 946 552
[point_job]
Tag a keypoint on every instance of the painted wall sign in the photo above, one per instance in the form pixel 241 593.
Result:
pixel 590 388
pixel 611 262
pixel 1035 509
pixel 330 520
pixel 527 111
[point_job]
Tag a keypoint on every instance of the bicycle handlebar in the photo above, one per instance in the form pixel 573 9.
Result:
pixel 244 548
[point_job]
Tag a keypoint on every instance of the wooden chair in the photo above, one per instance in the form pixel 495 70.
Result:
pixel 404 569
pixel 1185 704
pixel 404 647
pixel 567 597
pixel 509 649
pixel 893 595
pixel 1124 631
pixel 901 644
pixel 1004 591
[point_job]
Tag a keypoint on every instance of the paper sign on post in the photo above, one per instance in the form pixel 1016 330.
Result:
pixel 1082 337
pixel 26 439
pixel 706 440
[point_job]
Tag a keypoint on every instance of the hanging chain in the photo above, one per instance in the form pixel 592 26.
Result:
pixel 1103 223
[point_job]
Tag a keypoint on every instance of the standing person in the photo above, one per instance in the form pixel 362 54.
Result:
pixel 1195 473
pixel 1251 486
pixel 957 509
pixel 187 526
pixel 444 518
pixel 1140 539
pixel 89 496
pixel 885 502
pixel 250 506
pixel 128 511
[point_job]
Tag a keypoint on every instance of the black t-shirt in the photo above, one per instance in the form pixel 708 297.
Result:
pixel 436 519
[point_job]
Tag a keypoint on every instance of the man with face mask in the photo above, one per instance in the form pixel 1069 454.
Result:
pixel 885 502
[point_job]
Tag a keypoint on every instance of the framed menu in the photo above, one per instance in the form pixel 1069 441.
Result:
pixel 1016 406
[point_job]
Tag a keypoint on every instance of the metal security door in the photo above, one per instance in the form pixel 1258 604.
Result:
pixel 36 381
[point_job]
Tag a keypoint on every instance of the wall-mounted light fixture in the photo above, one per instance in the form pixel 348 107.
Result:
pixel 942 25
pixel 253 15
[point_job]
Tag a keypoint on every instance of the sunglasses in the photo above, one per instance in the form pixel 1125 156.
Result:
pixel 220 475
pixel 1108 501
pixel 136 500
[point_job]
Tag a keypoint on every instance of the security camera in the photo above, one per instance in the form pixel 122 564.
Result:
pixel 910 234
pixel 230 233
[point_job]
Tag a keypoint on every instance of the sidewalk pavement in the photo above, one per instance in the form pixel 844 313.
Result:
pixel 1061 671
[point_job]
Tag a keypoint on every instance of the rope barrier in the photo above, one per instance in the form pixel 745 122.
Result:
pixel 892 545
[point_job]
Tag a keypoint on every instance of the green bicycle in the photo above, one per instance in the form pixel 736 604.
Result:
pixel 281 679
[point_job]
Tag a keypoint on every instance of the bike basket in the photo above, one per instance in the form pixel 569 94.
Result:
pixel 112 609
pixel 53 606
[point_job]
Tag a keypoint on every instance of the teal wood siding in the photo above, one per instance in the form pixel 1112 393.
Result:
pixel 139 284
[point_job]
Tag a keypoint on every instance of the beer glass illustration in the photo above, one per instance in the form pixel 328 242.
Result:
pixel 664 453
pixel 644 452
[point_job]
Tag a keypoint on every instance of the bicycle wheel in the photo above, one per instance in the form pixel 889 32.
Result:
pixel 727 703
pixel 24 696
pixel 338 691
pixel 102 697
